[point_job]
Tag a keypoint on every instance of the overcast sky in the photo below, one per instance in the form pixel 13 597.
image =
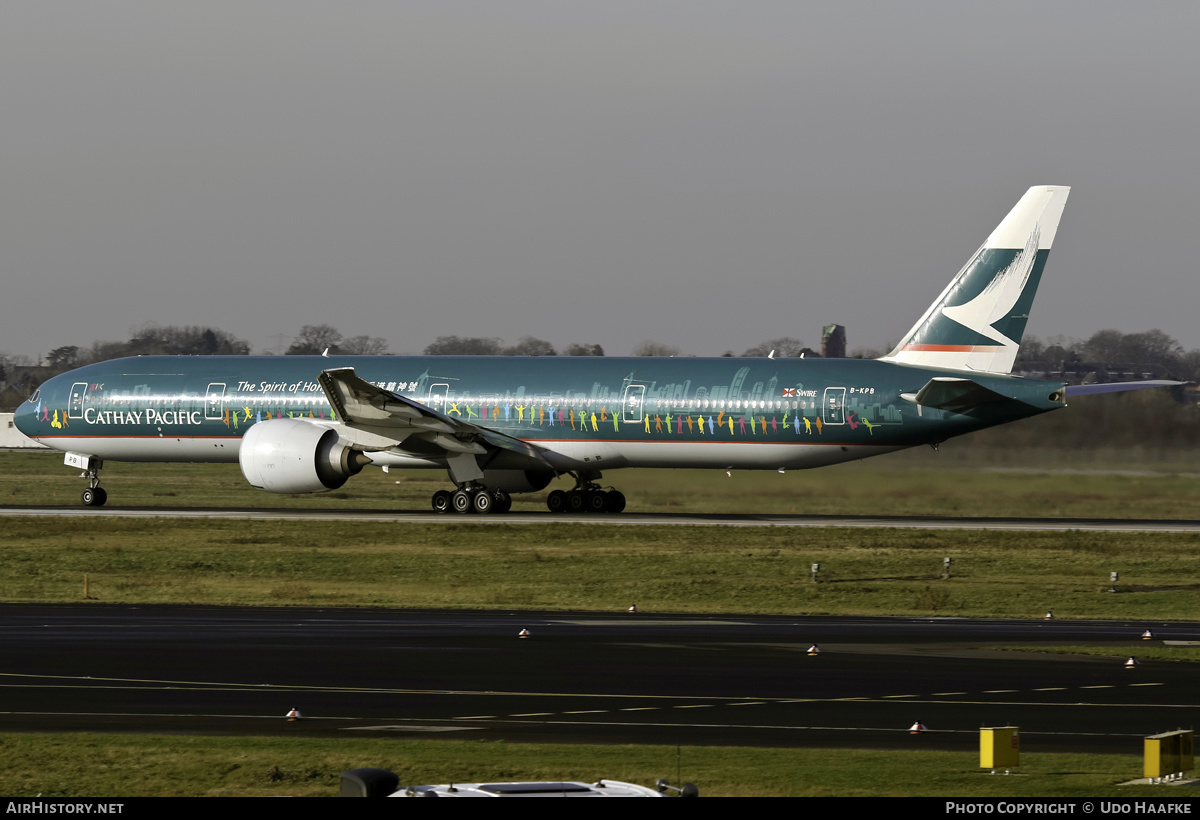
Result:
pixel 706 175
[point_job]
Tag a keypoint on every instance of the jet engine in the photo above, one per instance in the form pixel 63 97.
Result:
pixel 293 456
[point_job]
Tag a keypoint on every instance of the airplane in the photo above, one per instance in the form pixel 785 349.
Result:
pixel 502 425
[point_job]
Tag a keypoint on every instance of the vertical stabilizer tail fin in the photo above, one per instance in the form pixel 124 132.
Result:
pixel 978 321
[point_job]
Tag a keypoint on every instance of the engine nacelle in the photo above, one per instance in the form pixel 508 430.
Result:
pixel 516 481
pixel 293 456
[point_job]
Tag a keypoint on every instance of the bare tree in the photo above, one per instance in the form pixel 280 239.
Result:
pixel 584 350
pixel 784 347
pixel 649 348
pixel 316 339
pixel 364 346
pixel 531 346
pixel 458 346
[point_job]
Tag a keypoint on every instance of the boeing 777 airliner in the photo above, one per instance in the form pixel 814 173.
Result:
pixel 502 425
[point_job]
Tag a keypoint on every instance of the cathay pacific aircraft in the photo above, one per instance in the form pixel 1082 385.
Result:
pixel 502 425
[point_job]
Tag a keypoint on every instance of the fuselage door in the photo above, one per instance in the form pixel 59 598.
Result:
pixel 214 404
pixel 833 407
pixel 635 398
pixel 437 397
pixel 75 405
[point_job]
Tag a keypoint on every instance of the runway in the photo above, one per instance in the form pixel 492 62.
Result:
pixel 622 519
pixel 584 677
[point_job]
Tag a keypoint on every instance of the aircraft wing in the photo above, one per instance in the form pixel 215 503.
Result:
pixel 415 428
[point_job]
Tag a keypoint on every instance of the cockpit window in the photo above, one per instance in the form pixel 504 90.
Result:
pixel 33 399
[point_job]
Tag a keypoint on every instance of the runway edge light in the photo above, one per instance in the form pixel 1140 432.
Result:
pixel 999 746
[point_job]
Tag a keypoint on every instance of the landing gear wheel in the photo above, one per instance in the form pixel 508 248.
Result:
pixel 504 503
pixel 616 501
pixel 597 501
pixel 575 501
pixel 101 496
pixel 556 502
pixel 441 501
pixel 93 497
pixel 483 502
pixel 461 502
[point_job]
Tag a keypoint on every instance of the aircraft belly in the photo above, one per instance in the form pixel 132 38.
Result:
pixel 166 448
pixel 718 455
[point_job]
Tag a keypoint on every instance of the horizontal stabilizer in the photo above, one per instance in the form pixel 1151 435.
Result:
pixel 1116 387
pixel 950 393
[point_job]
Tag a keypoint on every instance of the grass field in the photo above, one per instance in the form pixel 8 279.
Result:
pixel 590 567
pixel 954 482
pixel 122 765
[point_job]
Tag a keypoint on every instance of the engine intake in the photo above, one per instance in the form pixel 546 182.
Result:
pixel 293 456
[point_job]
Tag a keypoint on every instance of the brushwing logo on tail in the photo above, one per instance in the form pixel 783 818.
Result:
pixel 996 301
pixel 978 321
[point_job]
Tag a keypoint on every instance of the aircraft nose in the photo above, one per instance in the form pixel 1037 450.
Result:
pixel 25 418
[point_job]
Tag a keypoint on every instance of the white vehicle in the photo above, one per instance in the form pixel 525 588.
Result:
pixel 382 783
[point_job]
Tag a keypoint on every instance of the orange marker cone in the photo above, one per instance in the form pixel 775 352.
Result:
pixel 917 728
pixel 1049 616
pixel 814 650
pixel 293 715
pixel 1132 663
pixel 632 608
pixel 524 633
pixel 1147 635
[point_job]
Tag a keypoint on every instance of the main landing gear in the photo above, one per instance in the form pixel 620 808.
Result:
pixel 94 495
pixel 587 497
pixel 468 499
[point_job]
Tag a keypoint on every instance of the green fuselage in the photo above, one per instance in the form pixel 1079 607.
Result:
pixel 600 412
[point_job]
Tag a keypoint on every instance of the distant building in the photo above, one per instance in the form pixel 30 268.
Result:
pixel 13 439
pixel 833 342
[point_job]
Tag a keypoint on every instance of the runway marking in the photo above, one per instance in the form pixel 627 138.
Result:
pixel 627 519
pixel 134 684
pixel 424 724
pixel 427 729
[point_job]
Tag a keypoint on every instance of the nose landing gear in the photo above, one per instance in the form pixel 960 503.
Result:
pixel 94 495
